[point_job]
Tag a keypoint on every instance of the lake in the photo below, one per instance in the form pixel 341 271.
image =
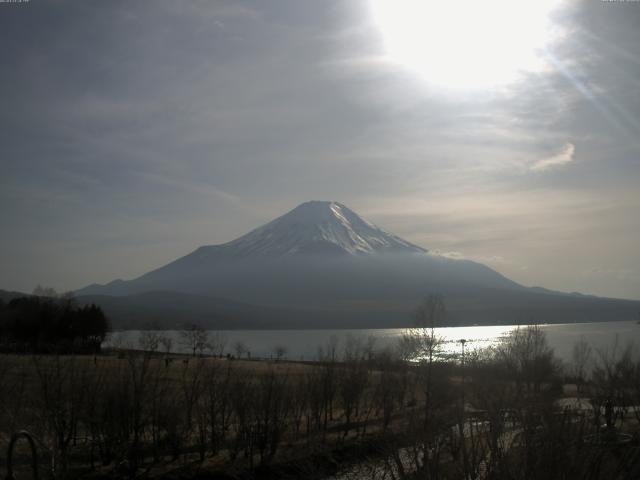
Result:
pixel 303 344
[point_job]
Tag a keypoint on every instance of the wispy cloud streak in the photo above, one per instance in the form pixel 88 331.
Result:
pixel 566 156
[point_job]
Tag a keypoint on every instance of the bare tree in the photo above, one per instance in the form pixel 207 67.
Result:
pixel 217 344
pixel 119 340
pixel 370 347
pixel 613 378
pixel 271 412
pixel 149 341
pixel 217 402
pixel 388 391
pixel 352 383
pixel 527 356
pixel 60 394
pixel 194 338
pixel 329 352
pixel 424 344
pixel 581 358
pixel 240 348
pixel 328 356
pixel 167 343
pixel 280 351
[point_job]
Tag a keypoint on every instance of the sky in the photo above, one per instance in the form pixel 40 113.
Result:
pixel 133 132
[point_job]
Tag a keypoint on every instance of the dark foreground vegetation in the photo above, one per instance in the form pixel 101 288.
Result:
pixel 510 413
pixel 51 324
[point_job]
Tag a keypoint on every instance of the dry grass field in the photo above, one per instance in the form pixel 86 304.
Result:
pixel 511 413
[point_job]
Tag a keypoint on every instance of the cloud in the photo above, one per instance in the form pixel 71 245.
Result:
pixel 286 102
pixel 558 160
pixel 451 255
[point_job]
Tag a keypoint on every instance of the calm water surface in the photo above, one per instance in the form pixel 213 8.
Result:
pixel 303 344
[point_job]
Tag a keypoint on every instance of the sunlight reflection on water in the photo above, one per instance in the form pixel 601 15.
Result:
pixel 303 344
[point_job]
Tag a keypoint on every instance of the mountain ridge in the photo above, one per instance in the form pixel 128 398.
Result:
pixel 322 257
pixel 325 230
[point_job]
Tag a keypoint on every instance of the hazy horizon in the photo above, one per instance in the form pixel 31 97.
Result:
pixel 133 133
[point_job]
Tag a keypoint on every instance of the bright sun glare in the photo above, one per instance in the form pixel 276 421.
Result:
pixel 466 44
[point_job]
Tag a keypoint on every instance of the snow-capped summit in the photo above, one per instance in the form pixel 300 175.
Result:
pixel 323 266
pixel 319 227
pixel 317 250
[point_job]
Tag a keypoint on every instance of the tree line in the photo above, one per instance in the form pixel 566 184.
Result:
pixel 400 420
pixel 51 324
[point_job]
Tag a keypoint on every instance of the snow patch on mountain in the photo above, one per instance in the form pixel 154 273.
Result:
pixel 319 227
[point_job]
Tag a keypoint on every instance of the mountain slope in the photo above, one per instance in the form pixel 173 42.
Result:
pixel 322 265
pixel 318 248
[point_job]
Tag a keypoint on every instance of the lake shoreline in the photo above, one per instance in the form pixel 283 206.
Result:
pixel 306 344
pixel 152 329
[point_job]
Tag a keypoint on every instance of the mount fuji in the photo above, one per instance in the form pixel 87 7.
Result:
pixel 322 265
